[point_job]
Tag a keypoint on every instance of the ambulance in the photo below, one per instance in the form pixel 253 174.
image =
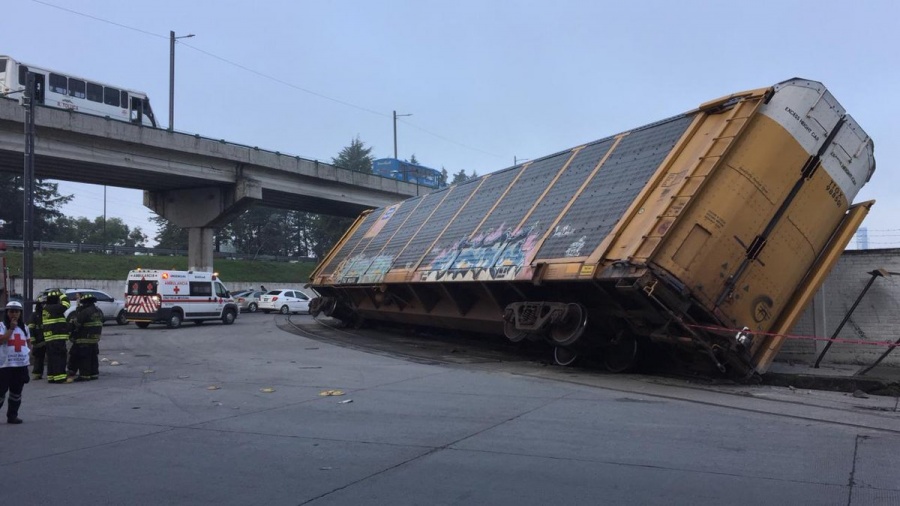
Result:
pixel 172 297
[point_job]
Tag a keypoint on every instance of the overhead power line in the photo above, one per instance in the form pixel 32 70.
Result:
pixel 265 76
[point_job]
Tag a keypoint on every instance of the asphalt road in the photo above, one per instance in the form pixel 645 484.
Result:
pixel 239 414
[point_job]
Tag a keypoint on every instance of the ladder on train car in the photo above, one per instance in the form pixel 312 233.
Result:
pixel 732 127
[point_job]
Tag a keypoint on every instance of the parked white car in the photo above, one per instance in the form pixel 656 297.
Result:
pixel 111 308
pixel 285 301
pixel 248 300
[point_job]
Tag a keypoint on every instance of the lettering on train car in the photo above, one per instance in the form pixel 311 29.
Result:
pixel 836 194
pixel 844 168
pixel 803 124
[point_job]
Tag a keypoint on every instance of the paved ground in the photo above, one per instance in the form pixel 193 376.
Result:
pixel 239 414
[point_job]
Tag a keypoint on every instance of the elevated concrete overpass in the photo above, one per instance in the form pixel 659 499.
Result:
pixel 197 183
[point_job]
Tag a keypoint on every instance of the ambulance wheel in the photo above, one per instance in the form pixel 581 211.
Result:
pixel 228 317
pixel 142 325
pixel 122 318
pixel 285 310
pixel 174 321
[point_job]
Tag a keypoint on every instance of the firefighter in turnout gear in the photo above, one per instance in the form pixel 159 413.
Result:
pixel 56 332
pixel 87 325
pixel 39 348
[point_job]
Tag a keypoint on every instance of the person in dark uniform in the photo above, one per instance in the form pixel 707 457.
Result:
pixel 87 325
pixel 39 348
pixel 56 332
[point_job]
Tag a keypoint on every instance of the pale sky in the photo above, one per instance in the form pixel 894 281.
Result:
pixel 485 81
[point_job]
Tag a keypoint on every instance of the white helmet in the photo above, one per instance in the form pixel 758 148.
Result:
pixel 14 305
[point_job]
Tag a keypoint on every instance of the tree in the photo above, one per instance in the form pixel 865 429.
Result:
pixel 459 177
pixel 326 231
pixel 47 204
pixel 111 231
pixel 355 157
pixel 168 235
pixel 444 175
pixel 413 160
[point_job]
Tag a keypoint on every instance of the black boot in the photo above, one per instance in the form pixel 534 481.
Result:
pixel 12 411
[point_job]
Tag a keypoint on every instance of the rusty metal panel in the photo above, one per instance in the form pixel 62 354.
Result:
pixel 613 189
pixel 401 239
pixel 371 263
pixel 351 243
pixel 423 240
pixel 523 195
pixel 566 186
pixel 464 225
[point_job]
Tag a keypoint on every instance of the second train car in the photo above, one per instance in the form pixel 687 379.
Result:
pixel 703 235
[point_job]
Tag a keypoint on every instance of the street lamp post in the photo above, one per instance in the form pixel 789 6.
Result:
pixel 172 38
pixel 395 130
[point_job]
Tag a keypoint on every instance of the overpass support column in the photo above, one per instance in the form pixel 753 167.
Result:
pixel 201 211
pixel 200 249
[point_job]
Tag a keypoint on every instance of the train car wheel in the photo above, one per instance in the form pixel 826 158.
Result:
pixel 329 304
pixel 564 356
pixel 569 329
pixel 622 353
pixel 315 306
pixel 512 333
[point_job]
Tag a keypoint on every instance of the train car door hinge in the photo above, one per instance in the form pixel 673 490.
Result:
pixel 756 247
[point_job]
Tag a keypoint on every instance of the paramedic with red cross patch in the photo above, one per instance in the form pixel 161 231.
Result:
pixel 15 345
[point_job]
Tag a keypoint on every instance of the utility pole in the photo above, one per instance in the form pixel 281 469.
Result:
pixel 395 130
pixel 172 39
pixel 28 200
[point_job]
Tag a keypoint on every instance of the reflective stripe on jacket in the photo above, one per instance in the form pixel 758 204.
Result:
pixel 88 325
pixel 54 320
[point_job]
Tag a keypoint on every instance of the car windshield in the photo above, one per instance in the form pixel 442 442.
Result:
pixel 274 292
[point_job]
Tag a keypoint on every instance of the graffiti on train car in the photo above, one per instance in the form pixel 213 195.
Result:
pixel 494 255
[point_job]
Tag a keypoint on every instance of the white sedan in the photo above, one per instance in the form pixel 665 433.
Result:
pixel 285 301
pixel 111 308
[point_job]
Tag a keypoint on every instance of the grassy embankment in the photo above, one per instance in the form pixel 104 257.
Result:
pixel 59 265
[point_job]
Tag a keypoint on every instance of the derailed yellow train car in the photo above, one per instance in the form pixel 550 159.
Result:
pixel 704 235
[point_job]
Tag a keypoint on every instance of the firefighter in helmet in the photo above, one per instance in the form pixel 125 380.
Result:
pixel 56 332
pixel 39 348
pixel 87 324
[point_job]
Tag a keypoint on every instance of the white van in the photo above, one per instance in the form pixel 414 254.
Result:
pixel 171 297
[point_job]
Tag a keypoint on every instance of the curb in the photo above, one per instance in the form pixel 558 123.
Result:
pixel 873 386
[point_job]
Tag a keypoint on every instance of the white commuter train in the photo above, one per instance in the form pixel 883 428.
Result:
pixel 65 91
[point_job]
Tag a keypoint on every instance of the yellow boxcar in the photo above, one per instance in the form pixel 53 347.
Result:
pixel 707 232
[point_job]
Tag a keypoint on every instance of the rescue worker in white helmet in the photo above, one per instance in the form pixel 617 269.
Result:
pixel 87 325
pixel 15 344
